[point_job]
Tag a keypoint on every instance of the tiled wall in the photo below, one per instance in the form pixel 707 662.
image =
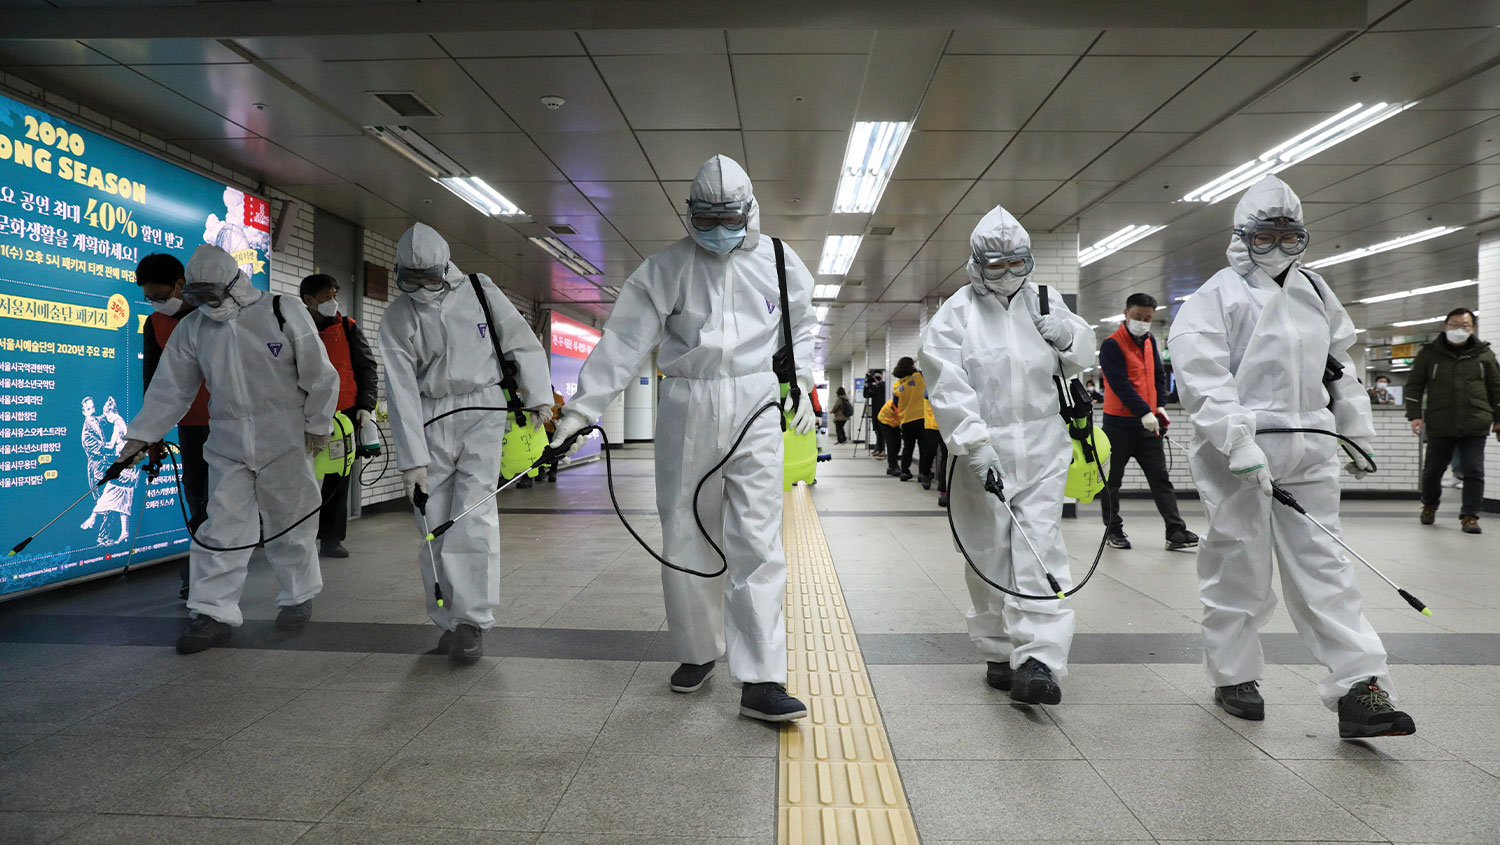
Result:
pixel 1489 328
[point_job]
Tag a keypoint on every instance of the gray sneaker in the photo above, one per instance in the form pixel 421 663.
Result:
pixel 1242 701
pixel 293 617
pixel 769 702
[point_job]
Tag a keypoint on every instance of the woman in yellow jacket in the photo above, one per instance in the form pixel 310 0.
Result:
pixel 890 435
pixel 910 396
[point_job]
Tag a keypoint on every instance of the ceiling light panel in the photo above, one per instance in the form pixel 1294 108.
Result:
pixel 1384 246
pixel 838 254
pixel 826 291
pixel 478 193
pixel 566 256
pixel 874 147
pixel 1404 323
pixel 1335 130
pixel 1402 294
pixel 1116 242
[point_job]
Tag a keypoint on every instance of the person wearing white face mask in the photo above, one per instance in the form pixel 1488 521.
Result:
pixel 358 383
pixel 1135 388
pixel 990 354
pixel 272 395
pixel 1458 377
pixel 1263 344
pixel 161 279
pixel 712 304
pixel 445 349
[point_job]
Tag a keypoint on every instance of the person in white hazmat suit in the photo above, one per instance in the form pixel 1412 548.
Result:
pixel 712 303
pixel 1251 349
pixel 439 356
pixel 273 393
pixel 990 354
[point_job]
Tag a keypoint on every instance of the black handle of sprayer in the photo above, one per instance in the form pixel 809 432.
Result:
pixel 1284 496
pixel 1042 302
pixel 419 499
pixel 993 484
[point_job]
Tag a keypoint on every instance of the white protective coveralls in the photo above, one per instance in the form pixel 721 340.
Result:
pixel 438 356
pixel 1249 354
pixel 989 380
pixel 717 319
pixel 270 384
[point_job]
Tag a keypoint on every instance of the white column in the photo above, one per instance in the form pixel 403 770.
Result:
pixel 1487 320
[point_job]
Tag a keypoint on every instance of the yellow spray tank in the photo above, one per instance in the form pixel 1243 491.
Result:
pixel 337 458
pixel 799 451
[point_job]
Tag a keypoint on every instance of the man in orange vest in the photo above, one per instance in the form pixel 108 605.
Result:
pixel 351 356
pixel 161 278
pixel 1135 388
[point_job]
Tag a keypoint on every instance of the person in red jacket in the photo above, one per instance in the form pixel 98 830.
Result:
pixel 161 278
pixel 1135 389
pixel 358 385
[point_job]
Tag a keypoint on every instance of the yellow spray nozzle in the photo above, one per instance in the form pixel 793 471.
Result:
pixel 11 553
pixel 1061 596
pixel 440 602
pixel 1426 611
pixel 430 537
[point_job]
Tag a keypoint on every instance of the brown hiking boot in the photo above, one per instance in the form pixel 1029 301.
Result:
pixel 1470 524
pixel 1429 514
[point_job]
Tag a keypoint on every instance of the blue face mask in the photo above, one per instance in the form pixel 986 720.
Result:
pixel 720 240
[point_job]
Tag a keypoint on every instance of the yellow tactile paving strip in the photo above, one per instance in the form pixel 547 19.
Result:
pixel 838 781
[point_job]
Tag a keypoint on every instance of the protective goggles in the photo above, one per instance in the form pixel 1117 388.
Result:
pixel 994 266
pixel 427 278
pixel 707 216
pixel 1262 236
pixel 208 296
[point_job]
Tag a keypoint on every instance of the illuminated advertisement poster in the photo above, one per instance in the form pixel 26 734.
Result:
pixel 77 212
pixel 572 342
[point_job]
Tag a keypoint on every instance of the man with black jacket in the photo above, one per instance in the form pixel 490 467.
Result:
pixel 358 380
pixel 1458 376
pixel 1135 388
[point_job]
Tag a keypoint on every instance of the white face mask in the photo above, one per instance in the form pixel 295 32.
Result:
pixel 1458 337
pixel 1004 287
pixel 1138 328
pixel 1274 262
pixel 223 311
pixel 425 296
pixel 329 308
pixel 169 307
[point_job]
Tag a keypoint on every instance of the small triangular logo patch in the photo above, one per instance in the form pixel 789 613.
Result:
pixel 483 329
pixel 275 349
pixel 770 306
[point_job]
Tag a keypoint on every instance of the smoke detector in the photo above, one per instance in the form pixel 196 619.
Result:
pixel 553 102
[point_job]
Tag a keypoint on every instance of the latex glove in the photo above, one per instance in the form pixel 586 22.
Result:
pixel 132 453
pixel 1416 426
pixel 983 460
pixel 413 478
pixel 1161 417
pixel 569 425
pixel 1358 462
pixel 314 442
pixel 1151 423
pixel 1247 461
pixel 361 417
pixel 540 415
pixel 1053 330
pixel 802 419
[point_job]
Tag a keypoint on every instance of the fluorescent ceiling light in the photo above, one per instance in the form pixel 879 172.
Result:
pixel 566 256
pixel 1184 298
pixel 1335 130
pixel 478 193
pixel 1116 242
pixel 1404 323
pixel 826 291
pixel 838 254
pixel 869 159
pixel 411 146
pixel 822 312
pixel 1115 319
pixel 1402 294
pixel 1384 246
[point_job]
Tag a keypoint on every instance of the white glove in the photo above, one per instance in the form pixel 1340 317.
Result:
pixel 133 452
pixel 1357 459
pixel 540 415
pixel 413 478
pixel 1151 423
pixel 314 442
pixel 1053 330
pixel 569 425
pixel 361 417
pixel 802 420
pixel 983 460
pixel 1248 462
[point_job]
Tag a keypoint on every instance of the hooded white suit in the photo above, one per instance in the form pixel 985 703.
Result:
pixel 1250 353
pixel 269 385
pixel 438 356
pixel 717 321
pixel 989 381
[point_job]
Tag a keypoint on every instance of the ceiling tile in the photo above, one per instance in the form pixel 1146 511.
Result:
pixel 1115 92
pixel 1048 155
pixel 1168 42
pixel 923 196
pixel 595 156
pixel 546 201
pixel 1475 143
pixel 768 88
pixel 653 42
pixel 1376 182
pixel 1220 88
pixel 165 51
pixel 235 90
pixel 1288 42
pixel 1398 136
pixel 519 84
pixel 802 198
pixel 1021 42
pixel 1132 154
pixel 347 200
pixel 949 155
pixel 678 155
pixel 653 228
pixel 796 156
pixel 1016 195
pixel 262 158
pixel 499 157
pixel 1480 92
pixel 469 45
pixel 1245 136
pixel 810 41
pixel 461 104
pixel 154 109
pixel 703 96
pixel 16 52
pixel 963 93
pixel 634 198
pixel 330 48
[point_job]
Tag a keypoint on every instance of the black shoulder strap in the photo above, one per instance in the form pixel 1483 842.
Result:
pixel 507 374
pixel 276 309
pixel 788 370
pixel 1042 302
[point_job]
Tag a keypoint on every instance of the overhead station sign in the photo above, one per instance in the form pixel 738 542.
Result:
pixel 77 212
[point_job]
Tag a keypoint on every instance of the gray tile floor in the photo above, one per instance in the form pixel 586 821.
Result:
pixel 354 735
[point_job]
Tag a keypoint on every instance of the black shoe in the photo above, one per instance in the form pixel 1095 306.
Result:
pixel 769 702
pixel 1033 684
pixel 334 549
pixel 1117 541
pixel 998 675
pixel 468 645
pixel 942 500
pixel 1470 524
pixel 926 481
pixel 1366 711
pixel 892 471
pixel 905 475
pixel 552 477
pixel 293 617
pixel 525 483
pixel 1183 539
pixel 445 643
pixel 690 677
pixel 1242 701
pixel 202 633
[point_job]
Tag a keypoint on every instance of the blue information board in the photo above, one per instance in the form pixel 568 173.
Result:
pixel 77 212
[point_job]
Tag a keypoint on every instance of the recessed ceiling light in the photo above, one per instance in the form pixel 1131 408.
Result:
pixel 478 193
pixel 838 254
pixel 1404 323
pixel 1402 294
pixel 869 160
pixel 1384 246
pixel 825 292
pixel 1116 242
